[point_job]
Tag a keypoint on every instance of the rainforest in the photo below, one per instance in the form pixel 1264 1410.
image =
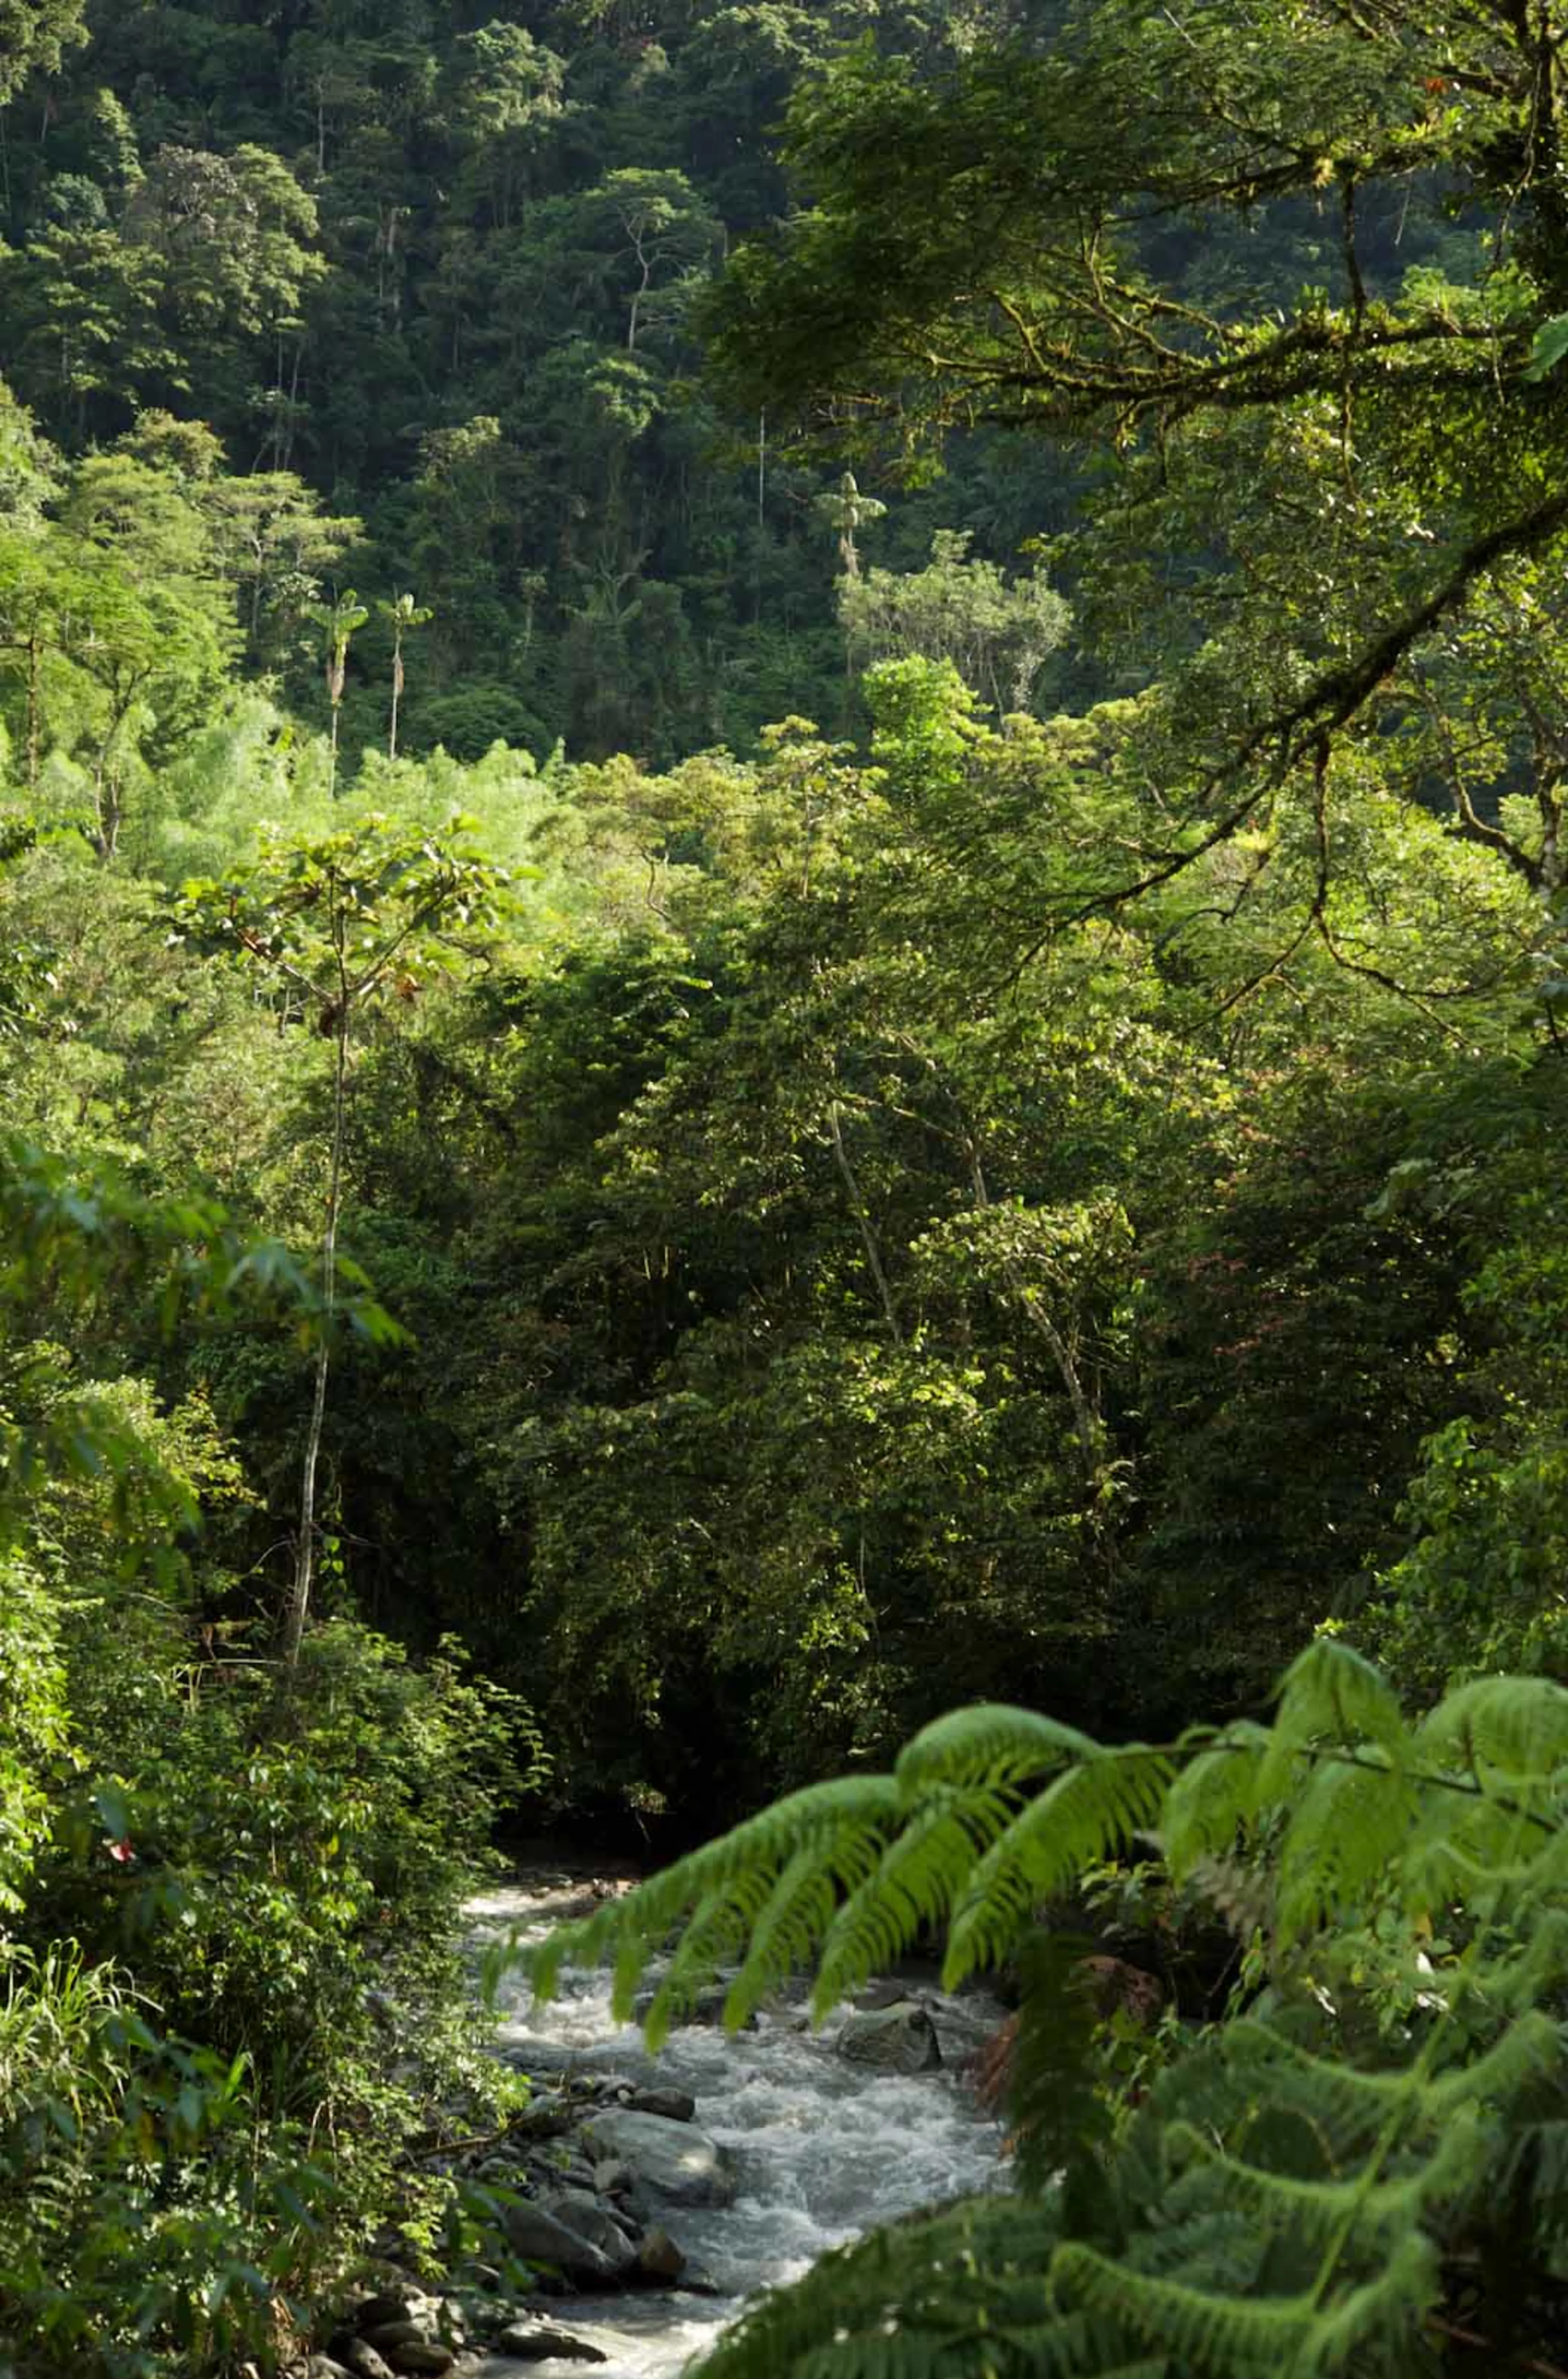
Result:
pixel 784 1040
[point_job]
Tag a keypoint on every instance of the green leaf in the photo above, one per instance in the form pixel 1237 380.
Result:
pixel 1547 347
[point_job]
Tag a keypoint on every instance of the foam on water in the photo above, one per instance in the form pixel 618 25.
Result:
pixel 823 2148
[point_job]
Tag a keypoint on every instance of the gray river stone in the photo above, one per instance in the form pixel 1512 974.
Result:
pixel 672 2160
pixel 896 2039
pixel 678 2104
pixel 579 2212
pixel 539 2237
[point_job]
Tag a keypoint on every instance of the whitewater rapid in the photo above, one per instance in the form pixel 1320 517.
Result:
pixel 823 2149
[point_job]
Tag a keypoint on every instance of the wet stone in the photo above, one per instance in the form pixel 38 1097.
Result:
pixel 585 2218
pixel 679 2105
pixel 539 2237
pixel 672 2160
pixel 541 2341
pixel 899 2038
pixel 659 2257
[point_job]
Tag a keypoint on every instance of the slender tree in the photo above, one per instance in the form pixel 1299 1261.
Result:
pixel 333 926
pixel 340 618
pixel 404 614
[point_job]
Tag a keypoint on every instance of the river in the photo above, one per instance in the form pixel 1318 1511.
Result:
pixel 823 2149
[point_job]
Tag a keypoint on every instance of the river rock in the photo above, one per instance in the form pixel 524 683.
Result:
pixel 672 2160
pixel 678 2104
pixel 387 2336
pixel 540 2341
pixel 896 2039
pixel 577 2211
pixel 402 2302
pixel 545 2117
pixel 614 2180
pixel 707 2006
pixel 358 2355
pixel 658 2258
pixel 603 2086
pixel 540 2237
pixel 422 2356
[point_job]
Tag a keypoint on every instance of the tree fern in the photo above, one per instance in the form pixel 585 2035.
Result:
pixel 1290 2196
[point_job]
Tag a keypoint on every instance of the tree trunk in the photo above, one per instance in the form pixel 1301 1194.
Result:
pixel 1088 1429
pixel 34 657
pixel 868 1236
pixel 305 1556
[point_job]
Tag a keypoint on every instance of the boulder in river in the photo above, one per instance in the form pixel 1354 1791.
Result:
pixel 659 2257
pixel 539 2237
pixel 672 2160
pixel 579 2212
pixel 896 2039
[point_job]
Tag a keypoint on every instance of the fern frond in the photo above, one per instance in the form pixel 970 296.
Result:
pixel 1215 1797
pixel 1252 2337
pixel 1058 2117
pixel 1331 1693
pixel 1208 2247
pixel 714 1931
pixel 1366 2218
pixel 785 1935
pixel 844 1825
pixel 1347 2104
pixel 991 1744
pixel 1048 2352
pixel 913 1883
pixel 1349 1829
pixel 935 2293
pixel 1541 1967
pixel 1222 2093
pixel 1505 1731
pixel 1378 2322
pixel 1083 1817
pixel 1460 1848
pixel 1529 2049
pixel 1536 2158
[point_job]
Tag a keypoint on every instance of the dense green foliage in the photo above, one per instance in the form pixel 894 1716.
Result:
pixel 781 909
pixel 424 276
pixel 216 1895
